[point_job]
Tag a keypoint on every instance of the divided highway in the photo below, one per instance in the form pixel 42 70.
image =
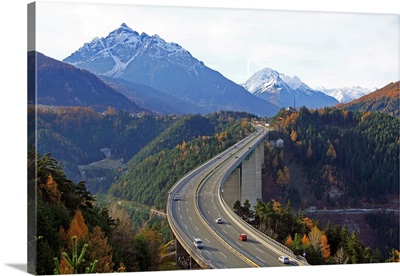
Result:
pixel 195 202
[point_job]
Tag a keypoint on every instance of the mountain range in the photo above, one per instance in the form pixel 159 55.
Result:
pixel 167 67
pixel 285 91
pixel 138 72
pixel 345 94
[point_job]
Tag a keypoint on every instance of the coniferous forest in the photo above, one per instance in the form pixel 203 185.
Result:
pixel 116 231
pixel 101 178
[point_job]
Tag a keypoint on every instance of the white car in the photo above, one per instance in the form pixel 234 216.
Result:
pixel 218 220
pixel 284 259
pixel 198 243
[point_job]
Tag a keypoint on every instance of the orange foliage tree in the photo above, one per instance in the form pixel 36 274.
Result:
pixel 100 250
pixel 305 241
pixel 78 228
pixel 325 248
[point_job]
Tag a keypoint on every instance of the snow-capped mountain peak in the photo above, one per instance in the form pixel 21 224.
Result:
pixel 285 91
pixel 167 67
pixel 112 54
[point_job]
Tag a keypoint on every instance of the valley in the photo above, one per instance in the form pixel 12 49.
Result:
pixel 121 120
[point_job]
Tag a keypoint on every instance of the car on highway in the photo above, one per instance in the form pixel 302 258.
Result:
pixel 176 197
pixel 218 220
pixel 284 259
pixel 243 237
pixel 198 243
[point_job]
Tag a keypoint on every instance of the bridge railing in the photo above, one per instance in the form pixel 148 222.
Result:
pixel 282 249
pixel 186 241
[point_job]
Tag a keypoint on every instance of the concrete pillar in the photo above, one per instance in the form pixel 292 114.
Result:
pixel 232 187
pixel 259 156
pixel 180 251
pixel 249 180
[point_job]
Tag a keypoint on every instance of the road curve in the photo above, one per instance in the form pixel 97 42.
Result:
pixel 201 202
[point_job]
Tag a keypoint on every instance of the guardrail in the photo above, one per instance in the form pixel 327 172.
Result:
pixel 186 242
pixel 212 230
pixel 262 237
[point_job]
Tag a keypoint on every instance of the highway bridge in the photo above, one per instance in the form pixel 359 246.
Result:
pixel 207 193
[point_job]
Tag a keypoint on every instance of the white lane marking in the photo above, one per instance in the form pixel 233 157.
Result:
pixel 187 209
pixel 259 250
pixel 260 259
pixel 239 244
pixel 197 228
pixel 180 216
pixel 228 226
pixel 224 231
pixel 205 204
pixel 208 252
pixel 190 218
pixel 186 226
pixel 179 208
pixel 208 212
pixel 223 255
pixel 207 240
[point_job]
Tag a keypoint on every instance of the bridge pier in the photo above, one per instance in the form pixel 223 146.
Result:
pixel 245 182
pixel 183 259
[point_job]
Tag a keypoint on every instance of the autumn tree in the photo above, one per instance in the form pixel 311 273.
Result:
pixel 73 264
pixel 100 250
pixel 148 245
pixel 48 191
pixel 293 135
pixel 289 241
pixel 325 248
pixel 315 237
pixel 283 176
pixel 123 240
pixel 394 256
pixel 331 153
pixel 78 228
pixel 305 241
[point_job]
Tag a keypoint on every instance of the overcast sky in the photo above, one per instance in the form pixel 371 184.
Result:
pixel 330 49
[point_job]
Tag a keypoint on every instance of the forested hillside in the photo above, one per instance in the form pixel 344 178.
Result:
pixel 350 159
pixel 77 135
pixel 385 100
pixel 154 170
pixel 67 212
pixel 118 232
pixel 322 244
pixel 338 159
